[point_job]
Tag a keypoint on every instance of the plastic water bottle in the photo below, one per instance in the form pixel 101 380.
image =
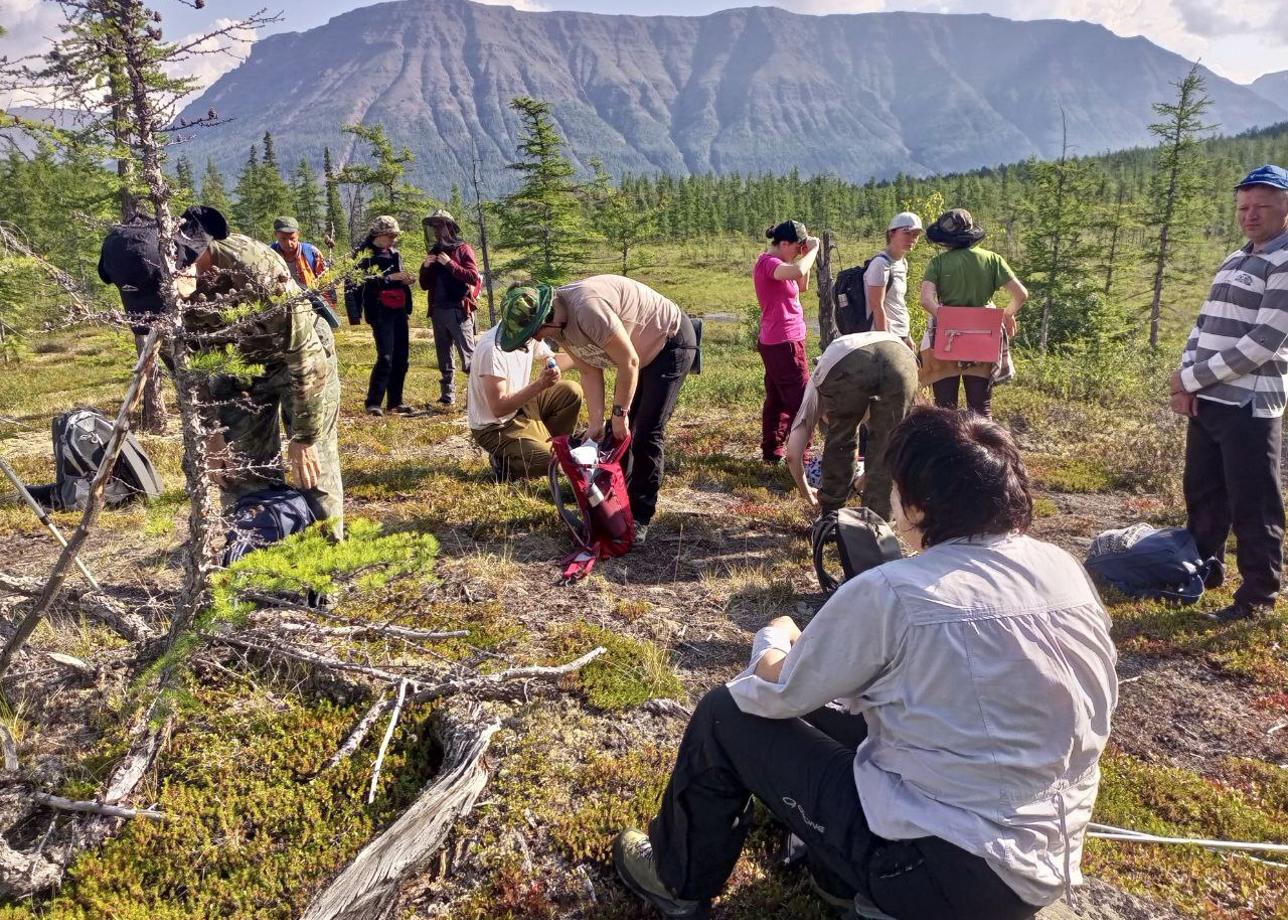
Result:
pixel 593 495
pixel 551 362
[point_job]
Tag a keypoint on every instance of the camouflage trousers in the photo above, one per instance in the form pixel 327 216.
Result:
pixel 252 421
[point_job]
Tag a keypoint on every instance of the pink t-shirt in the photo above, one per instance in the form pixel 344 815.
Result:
pixel 781 316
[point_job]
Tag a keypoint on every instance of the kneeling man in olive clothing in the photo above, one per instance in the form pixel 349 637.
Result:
pixel 512 416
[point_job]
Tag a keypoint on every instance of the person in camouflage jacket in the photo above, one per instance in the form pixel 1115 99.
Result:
pixel 247 303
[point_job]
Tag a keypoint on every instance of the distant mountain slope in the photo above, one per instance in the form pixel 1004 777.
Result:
pixel 1273 87
pixel 746 90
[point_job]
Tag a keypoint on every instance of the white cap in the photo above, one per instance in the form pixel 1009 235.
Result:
pixel 905 220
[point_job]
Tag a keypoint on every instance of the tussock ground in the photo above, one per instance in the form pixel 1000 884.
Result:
pixel 1197 747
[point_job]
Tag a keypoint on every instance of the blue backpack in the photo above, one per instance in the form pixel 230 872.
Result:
pixel 265 517
pixel 1146 562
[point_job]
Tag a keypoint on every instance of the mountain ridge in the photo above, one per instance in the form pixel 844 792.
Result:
pixel 755 89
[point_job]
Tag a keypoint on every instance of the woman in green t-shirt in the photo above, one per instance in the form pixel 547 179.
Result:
pixel 964 275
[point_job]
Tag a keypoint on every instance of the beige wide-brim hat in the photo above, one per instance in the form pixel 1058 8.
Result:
pixel 442 216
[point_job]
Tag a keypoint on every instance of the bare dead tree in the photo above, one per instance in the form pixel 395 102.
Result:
pixel 482 219
pixel 826 291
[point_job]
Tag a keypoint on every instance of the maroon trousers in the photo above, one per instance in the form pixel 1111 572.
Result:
pixel 786 374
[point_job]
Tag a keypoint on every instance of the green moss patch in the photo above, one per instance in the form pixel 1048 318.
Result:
pixel 253 832
pixel 631 671
pixel 1174 802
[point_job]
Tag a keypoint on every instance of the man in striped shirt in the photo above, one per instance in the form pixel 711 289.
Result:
pixel 1233 385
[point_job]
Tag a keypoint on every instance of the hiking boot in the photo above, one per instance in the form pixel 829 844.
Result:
pixel 1215 576
pixel 1239 611
pixel 633 857
pixel 375 410
pixel 401 409
pixel 641 534
pixel 447 399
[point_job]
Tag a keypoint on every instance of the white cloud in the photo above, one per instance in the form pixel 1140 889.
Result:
pixel 209 60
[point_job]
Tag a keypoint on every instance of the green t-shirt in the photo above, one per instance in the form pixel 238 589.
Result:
pixel 967 277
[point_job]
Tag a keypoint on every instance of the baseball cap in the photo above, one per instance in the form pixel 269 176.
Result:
pixel 905 220
pixel 1271 175
pixel 286 225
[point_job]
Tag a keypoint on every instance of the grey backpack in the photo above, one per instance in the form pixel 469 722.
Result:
pixel 863 541
pixel 80 440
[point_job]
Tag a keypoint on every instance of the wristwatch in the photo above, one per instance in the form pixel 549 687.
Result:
pixel 619 411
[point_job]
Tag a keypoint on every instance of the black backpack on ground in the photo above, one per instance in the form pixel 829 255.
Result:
pixel 80 440
pixel 862 538
pixel 265 517
pixel 852 298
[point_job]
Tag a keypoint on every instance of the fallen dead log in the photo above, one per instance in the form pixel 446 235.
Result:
pixel 367 887
pixel 96 808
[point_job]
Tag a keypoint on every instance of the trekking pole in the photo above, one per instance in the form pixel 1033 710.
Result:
pixel 44 518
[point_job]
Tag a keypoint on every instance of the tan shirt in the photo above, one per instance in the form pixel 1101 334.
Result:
pixel 601 304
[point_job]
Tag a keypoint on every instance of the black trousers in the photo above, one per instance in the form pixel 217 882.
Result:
pixel 979 393
pixel 805 776
pixel 1232 482
pixel 393 347
pixel 655 397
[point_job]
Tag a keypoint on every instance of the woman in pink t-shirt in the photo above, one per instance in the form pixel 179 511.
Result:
pixel 781 273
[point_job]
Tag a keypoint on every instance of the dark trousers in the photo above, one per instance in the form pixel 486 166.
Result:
pixel 392 350
pixel 1232 482
pixel 655 396
pixel 979 393
pixel 453 326
pixel 805 776
pixel 786 374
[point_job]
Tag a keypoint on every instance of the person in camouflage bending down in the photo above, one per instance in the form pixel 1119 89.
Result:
pixel 257 308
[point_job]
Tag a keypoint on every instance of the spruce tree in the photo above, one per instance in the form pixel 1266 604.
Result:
pixel 1176 182
pixel 337 223
pixel 247 213
pixel 276 198
pixel 1058 248
pixel 214 191
pixel 185 184
pixel 541 221
pixel 309 206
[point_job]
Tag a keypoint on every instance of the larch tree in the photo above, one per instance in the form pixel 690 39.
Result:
pixel 1177 181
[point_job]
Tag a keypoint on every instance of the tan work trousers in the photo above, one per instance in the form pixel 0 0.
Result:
pixel 522 444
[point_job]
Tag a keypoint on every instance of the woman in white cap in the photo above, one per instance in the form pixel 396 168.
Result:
pixel 886 279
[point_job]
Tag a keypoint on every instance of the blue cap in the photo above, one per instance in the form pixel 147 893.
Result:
pixel 1271 175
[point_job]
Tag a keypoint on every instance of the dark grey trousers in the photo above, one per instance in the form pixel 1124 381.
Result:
pixel 453 326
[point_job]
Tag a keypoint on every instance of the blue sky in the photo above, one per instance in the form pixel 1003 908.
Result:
pixel 1239 39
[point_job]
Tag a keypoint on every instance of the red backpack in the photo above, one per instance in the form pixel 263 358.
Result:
pixel 603 526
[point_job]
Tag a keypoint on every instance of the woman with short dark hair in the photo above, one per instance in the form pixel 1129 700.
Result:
pixel 781 273
pixel 980 678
